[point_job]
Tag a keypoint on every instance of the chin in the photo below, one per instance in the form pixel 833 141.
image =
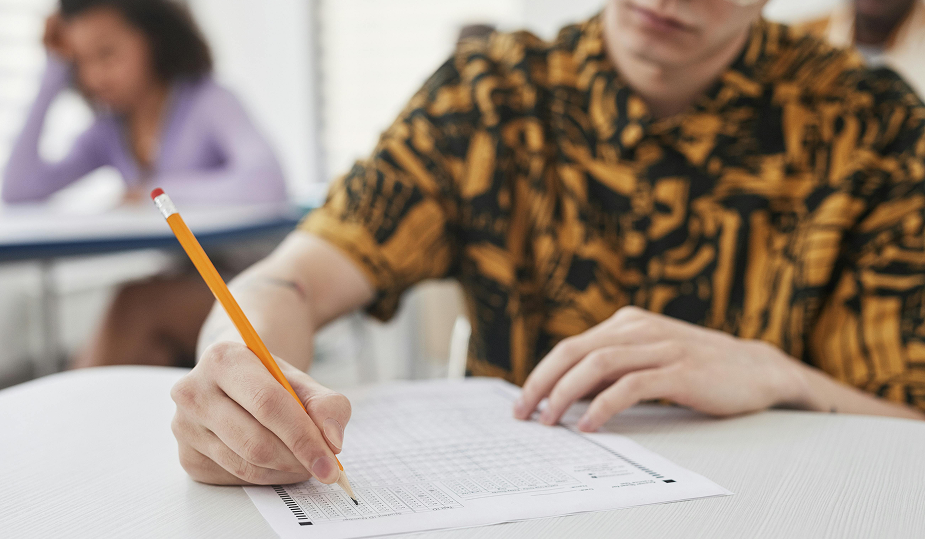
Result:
pixel 656 51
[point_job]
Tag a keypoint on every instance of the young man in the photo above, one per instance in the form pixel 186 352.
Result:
pixel 673 200
pixel 887 32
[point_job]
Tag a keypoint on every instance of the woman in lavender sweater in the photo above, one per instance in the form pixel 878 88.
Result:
pixel 160 118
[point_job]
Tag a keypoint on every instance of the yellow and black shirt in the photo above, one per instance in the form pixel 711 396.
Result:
pixel 785 205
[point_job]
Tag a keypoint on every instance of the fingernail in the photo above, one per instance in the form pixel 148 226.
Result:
pixel 584 424
pixel 325 470
pixel 519 407
pixel 334 432
pixel 546 417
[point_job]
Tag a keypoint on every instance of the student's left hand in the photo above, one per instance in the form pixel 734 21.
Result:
pixel 637 355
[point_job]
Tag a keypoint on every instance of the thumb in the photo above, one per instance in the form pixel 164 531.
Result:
pixel 328 409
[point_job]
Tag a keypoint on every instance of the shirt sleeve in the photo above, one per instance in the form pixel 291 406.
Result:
pixel 871 330
pixel 250 172
pixel 28 177
pixel 395 213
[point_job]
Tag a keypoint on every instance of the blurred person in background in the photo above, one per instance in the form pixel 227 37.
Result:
pixel 160 118
pixel 887 33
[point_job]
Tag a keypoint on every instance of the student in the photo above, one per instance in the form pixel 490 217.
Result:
pixel 160 118
pixel 672 200
pixel 886 32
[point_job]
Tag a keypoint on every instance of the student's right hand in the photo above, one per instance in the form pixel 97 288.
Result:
pixel 55 38
pixel 235 424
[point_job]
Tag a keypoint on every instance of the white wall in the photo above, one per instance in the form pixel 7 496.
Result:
pixel 263 52
pixel 791 11
pixel 377 53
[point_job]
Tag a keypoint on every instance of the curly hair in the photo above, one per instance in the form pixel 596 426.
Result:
pixel 178 48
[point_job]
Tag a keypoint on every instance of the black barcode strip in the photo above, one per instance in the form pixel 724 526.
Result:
pixel 612 452
pixel 294 507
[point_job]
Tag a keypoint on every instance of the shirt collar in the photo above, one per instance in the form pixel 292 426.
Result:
pixel 630 121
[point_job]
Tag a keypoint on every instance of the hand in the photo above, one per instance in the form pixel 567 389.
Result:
pixel 235 424
pixel 55 37
pixel 637 355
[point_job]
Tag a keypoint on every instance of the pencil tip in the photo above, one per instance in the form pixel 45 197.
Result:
pixel 355 502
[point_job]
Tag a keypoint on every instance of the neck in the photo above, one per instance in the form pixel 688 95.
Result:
pixel 144 124
pixel 149 106
pixel 667 89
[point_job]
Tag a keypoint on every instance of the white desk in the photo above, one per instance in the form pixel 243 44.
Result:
pixel 90 454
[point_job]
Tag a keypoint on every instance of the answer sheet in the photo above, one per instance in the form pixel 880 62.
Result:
pixel 448 454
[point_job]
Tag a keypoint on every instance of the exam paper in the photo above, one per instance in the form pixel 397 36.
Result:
pixel 448 454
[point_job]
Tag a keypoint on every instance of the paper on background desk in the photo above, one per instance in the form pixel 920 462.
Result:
pixel 37 223
pixel 441 454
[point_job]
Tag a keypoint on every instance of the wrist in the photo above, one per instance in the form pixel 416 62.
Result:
pixel 216 329
pixel 803 395
pixel 793 384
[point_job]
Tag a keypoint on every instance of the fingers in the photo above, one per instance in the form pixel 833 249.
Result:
pixel 243 379
pixel 634 387
pixel 212 447
pixel 628 326
pixel 235 415
pixel 329 410
pixel 248 454
pixel 603 365
pixel 205 469
pixel 562 358
pixel 244 436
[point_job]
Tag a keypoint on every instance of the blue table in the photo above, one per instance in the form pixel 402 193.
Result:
pixel 54 249
pixel 43 235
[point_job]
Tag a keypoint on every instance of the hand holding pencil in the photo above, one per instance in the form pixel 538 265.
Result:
pixel 249 449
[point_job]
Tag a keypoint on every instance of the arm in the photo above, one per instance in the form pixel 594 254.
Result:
pixel 636 355
pixel 822 393
pixel 235 423
pixel 250 173
pixel 28 177
pixel 304 284
pixel 389 219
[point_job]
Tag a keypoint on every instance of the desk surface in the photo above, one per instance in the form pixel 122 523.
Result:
pixel 90 454
pixel 36 231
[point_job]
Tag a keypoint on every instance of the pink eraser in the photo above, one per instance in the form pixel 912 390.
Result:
pixel 156 193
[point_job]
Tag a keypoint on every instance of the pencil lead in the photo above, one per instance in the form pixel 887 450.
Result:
pixel 355 502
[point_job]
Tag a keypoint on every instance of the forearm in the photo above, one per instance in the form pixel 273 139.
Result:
pixel 821 393
pixel 304 284
pixel 278 309
pixel 22 181
pixel 28 176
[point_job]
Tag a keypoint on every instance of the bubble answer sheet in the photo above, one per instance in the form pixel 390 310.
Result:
pixel 448 454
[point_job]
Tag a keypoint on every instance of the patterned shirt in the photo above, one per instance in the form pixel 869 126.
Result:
pixel 785 205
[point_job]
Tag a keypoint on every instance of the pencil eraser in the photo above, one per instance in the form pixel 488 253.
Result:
pixel 156 193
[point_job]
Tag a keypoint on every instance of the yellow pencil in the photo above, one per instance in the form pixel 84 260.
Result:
pixel 223 295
